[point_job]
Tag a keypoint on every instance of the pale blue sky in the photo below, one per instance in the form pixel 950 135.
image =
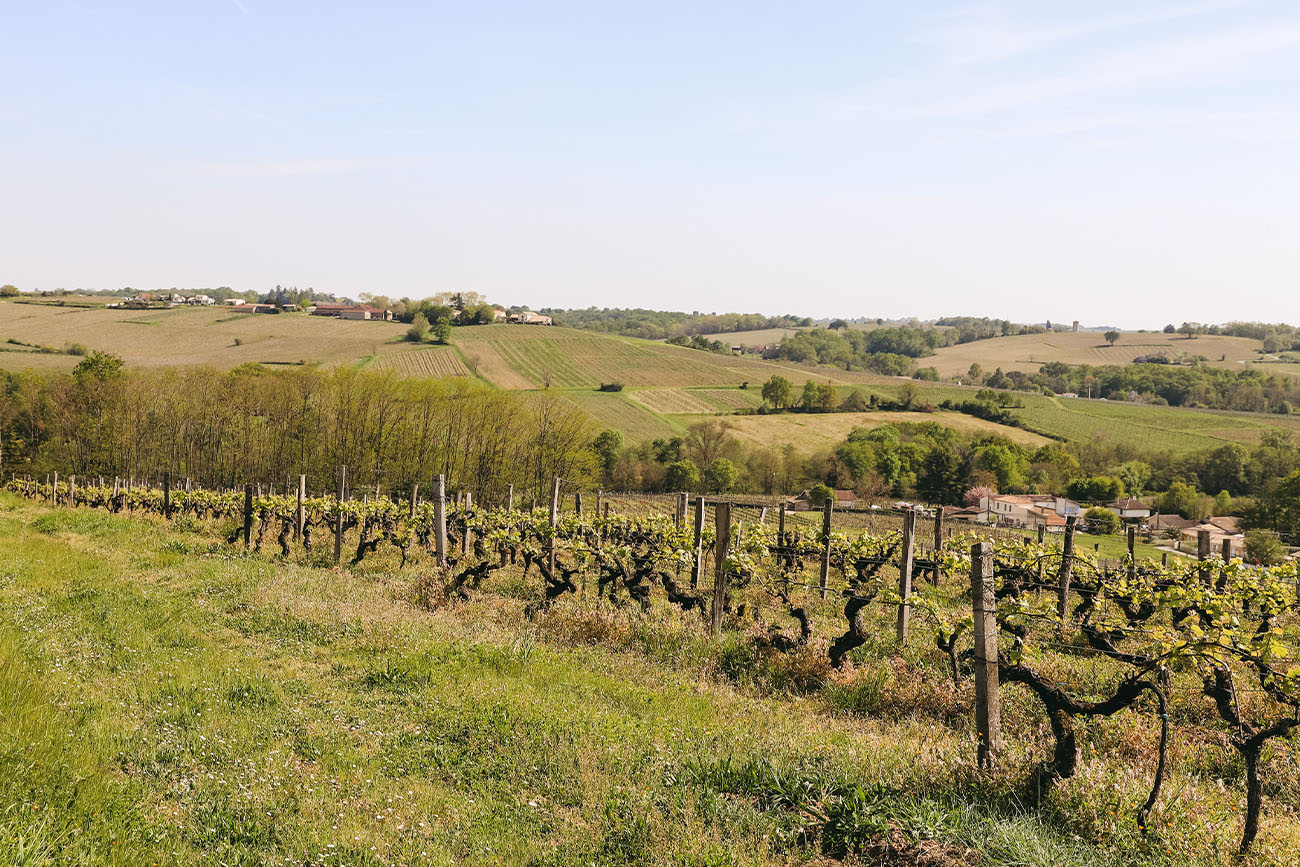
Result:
pixel 1117 162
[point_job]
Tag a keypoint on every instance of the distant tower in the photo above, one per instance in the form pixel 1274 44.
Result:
pixel 1076 326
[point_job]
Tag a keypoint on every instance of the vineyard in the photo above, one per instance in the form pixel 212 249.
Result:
pixel 435 363
pixel 1150 683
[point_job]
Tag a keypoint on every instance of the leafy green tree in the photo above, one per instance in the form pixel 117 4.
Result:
pixel 855 402
pixel 9 291
pixel 606 446
pixel 1111 336
pixel 942 479
pixel 1007 463
pixel 681 475
pixel 1135 475
pixel 419 329
pixel 1181 499
pixel 1223 503
pixel 819 493
pixel 1278 507
pixel 98 365
pixel 826 398
pixel 721 476
pixel 440 330
pixel 1264 547
pixel 1100 521
pixel 909 395
pixel 778 392
pixel 811 393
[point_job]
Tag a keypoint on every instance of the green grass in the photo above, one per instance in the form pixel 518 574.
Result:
pixel 165 700
pixel 619 411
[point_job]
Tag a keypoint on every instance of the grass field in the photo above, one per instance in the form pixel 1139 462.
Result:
pixel 1029 352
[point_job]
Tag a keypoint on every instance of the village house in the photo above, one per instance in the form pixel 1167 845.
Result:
pixel 1130 510
pixel 234 302
pixel 1027 510
pixel 1222 529
pixel 352 311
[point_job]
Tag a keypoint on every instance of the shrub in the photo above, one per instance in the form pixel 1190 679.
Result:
pixel 1264 546
pixel 1101 521
pixel 611 386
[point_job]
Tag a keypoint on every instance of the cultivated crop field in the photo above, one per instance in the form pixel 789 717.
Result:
pixel 197 335
pixel 435 362
pixel 1158 428
pixel 1028 352
pixel 617 411
pixel 697 400
pixel 568 358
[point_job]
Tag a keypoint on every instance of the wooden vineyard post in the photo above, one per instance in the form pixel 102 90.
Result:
pixel 167 495
pixel 577 504
pixel 825 572
pixel 554 521
pixel 415 497
pixel 722 518
pixel 762 516
pixel 782 557
pixel 440 520
pixel 679 512
pixel 338 518
pixel 938 544
pixel 248 516
pixel 299 514
pixel 600 499
pixel 605 514
pixel 1042 533
pixel 1067 564
pixel 72 491
pixel 465 540
pixel 698 550
pixel 905 575
pixel 510 498
pixel 1164 558
pixel 1225 550
pixel 1203 553
pixel 1132 552
pixel 54 491
pixel 988 710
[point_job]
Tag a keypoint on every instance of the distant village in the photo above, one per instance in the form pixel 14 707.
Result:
pixel 366 312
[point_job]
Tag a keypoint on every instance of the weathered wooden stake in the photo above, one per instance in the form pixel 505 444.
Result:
pixel 167 494
pixel 905 575
pixel 825 572
pixel 938 544
pixel 988 710
pixel 415 497
pixel 440 520
pixel 1067 564
pixel 248 516
pixel 554 520
pixel 338 519
pixel 54 490
pixel 698 565
pixel 722 518
pixel 300 513
pixel 1132 552
pixel 510 498
pixel 577 503
pixel 1225 550
pixel 465 538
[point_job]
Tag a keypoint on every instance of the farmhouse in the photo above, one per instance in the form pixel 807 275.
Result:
pixel 1026 510
pixel 257 308
pixel 528 317
pixel 1221 530
pixel 352 311
pixel 233 302
pixel 1130 509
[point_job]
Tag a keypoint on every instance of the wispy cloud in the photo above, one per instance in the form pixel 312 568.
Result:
pixel 242 8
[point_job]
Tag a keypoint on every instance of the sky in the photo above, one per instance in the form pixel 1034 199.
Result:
pixel 1129 163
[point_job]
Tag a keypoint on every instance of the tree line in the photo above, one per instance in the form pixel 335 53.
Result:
pixel 255 424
